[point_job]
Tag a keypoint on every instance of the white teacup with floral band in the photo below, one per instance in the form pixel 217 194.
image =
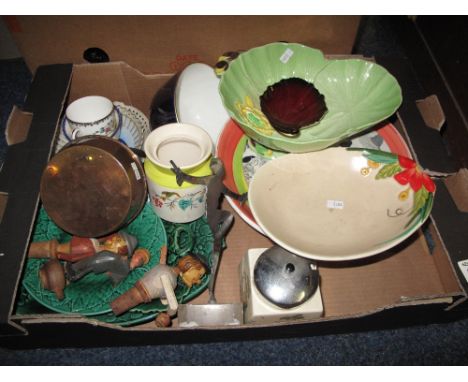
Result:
pixel 92 115
pixel 189 147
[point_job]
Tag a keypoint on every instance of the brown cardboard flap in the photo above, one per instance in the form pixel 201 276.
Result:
pixel 117 81
pixel 431 111
pixel 426 144
pixel 458 188
pixel 450 224
pixel 166 44
pixel 17 127
pixel 143 87
pixel 447 273
pixel 104 79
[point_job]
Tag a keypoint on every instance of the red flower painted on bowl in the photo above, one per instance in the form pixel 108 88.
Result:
pixel 413 175
pixel 405 171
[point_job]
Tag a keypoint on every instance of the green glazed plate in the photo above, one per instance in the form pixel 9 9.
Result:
pixel 358 94
pixel 200 242
pixel 92 294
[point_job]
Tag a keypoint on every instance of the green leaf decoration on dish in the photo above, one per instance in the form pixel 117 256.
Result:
pixel 422 204
pixel 388 170
pixel 420 198
pixel 426 208
pixel 238 174
pixel 377 156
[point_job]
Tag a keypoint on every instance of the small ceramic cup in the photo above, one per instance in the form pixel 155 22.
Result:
pixel 92 115
pixel 189 147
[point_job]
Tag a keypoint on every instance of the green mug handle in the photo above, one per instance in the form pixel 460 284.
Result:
pixel 181 247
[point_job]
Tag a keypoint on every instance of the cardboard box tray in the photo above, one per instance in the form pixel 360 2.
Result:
pixel 166 44
pixel 413 282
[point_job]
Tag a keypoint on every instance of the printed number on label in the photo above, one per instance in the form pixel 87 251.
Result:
pixel 136 171
pixel 286 56
pixel 335 204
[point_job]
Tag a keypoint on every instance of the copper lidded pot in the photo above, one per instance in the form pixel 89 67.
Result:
pixel 94 186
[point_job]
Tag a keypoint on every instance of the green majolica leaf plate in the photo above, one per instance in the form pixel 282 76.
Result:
pixel 358 94
pixel 200 242
pixel 92 294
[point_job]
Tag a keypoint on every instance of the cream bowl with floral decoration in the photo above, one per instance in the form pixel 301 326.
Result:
pixel 340 204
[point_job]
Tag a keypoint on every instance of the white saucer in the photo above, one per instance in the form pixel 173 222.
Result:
pixel 133 130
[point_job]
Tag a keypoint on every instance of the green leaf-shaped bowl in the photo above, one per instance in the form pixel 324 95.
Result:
pixel 358 94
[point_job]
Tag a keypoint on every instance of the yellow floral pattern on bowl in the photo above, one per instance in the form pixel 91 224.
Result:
pixel 254 117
